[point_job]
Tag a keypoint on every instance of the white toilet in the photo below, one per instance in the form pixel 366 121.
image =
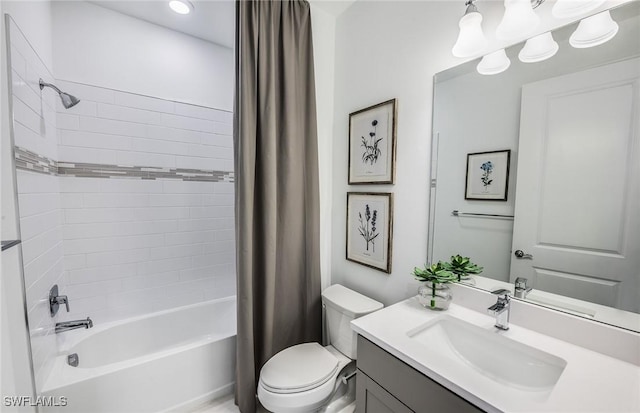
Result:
pixel 310 378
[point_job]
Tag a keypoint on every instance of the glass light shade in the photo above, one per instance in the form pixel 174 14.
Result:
pixel 594 31
pixel 538 48
pixel 519 20
pixel 471 40
pixel 180 7
pixel 494 63
pixel 574 8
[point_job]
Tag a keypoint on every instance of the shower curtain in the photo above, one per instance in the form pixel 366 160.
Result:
pixel 277 194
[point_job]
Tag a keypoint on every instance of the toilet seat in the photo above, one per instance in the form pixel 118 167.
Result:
pixel 298 368
pixel 315 366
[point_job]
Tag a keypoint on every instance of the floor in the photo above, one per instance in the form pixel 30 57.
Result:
pixel 222 405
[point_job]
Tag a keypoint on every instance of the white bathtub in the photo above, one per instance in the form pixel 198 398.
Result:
pixel 165 361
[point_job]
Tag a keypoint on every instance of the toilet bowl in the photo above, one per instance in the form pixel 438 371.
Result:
pixel 310 378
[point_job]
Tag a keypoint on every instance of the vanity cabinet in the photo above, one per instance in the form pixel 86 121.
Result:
pixel 386 384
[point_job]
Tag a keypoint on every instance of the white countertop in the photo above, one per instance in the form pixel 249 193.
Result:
pixel 591 382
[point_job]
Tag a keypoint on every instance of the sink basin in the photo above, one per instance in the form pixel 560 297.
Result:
pixel 501 359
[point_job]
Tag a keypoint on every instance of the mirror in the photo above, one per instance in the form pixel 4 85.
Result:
pixel 570 224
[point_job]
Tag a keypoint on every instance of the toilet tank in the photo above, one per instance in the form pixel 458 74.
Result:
pixel 341 306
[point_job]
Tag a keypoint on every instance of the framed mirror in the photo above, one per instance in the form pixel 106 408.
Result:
pixel 569 229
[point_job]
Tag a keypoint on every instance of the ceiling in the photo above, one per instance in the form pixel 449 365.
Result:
pixel 211 20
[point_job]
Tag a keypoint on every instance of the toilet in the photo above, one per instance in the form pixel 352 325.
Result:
pixel 310 378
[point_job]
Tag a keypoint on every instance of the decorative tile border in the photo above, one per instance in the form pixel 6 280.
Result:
pixel 30 161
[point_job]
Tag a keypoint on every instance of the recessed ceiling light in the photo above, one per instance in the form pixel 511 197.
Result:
pixel 181 6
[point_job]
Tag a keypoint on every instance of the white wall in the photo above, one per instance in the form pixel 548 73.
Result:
pixel 136 245
pixel 392 49
pixel 101 47
pixel 324 28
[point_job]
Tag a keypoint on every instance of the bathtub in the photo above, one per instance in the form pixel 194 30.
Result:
pixel 166 361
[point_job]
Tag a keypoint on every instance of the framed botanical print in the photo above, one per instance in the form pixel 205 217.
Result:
pixel 370 229
pixel 372 144
pixel 488 175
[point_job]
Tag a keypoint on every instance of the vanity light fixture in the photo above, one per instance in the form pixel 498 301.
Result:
pixel 519 20
pixel 538 48
pixel 594 31
pixel 494 63
pixel 471 40
pixel 574 8
pixel 181 6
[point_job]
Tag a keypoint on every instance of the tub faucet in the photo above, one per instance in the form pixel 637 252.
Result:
pixel 521 289
pixel 501 308
pixel 72 325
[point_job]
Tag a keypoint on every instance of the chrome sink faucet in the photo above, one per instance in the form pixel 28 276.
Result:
pixel 521 290
pixel 501 308
pixel 73 325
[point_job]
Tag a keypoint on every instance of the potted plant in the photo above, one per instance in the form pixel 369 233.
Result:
pixel 434 293
pixel 462 267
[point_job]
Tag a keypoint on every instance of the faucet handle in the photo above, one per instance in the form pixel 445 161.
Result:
pixel 521 283
pixel 501 291
pixel 62 299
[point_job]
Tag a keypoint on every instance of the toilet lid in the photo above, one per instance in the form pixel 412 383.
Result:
pixel 298 368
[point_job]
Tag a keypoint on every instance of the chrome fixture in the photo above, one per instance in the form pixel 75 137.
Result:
pixel 521 290
pixel 73 325
pixel 522 255
pixel 68 100
pixel 55 300
pixel 457 213
pixel 501 308
pixel 73 360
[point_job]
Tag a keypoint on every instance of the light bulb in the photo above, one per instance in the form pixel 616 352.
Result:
pixel 519 20
pixel 494 63
pixel 471 40
pixel 538 48
pixel 180 6
pixel 594 31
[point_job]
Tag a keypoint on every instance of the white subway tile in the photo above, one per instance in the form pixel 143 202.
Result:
pixel 28 117
pixel 101 230
pixel 37 224
pixel 159 146
pixel 23 92
pixel 80 246
pixel 139 186
pixel 183 122
pixel 86 155
pixel 33 248
pixel 94 140
pixel 128 114
pixel 219 200
pixel 71 200
pixel 143 102
pixel 84 108
pixel 94 289
pixel 150 281
pixel 225 235
pixel 161 213
pixel 67 121
pixel 205 151
pixel 187 187
pixel 34 269
pixel 102 259
pixel 146 159
pixel 175 251
pixel 18 62
pixel 223 187
pixel 110 126
pixel 212 259
pixel 32 204
pixel 174 135
pixel 218 140
pixel 74 262
pixel 170 264
pixel 205 224
pixel 83 185
pixel 97 215
pixel 212 212
pixel 112 200
pixel 97 274
pixel 201 112
pixel 175 199
pixel 184 238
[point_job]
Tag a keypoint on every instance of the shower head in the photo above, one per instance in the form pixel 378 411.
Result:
pixel 68 100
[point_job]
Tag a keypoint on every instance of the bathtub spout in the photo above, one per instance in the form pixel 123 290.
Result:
pixel 72 325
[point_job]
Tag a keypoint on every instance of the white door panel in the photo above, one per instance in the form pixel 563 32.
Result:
pixel 578 189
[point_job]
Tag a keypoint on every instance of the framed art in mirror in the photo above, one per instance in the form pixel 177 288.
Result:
pixel 372 144
pixel 487 177
pixel 370 229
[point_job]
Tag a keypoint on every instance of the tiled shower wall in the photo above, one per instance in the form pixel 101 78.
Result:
pixel 38 196
pixel 147 200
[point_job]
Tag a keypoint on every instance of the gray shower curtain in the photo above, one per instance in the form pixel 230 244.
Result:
pixel 277 195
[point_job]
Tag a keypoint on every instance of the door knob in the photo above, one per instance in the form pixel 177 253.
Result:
pixel 521 255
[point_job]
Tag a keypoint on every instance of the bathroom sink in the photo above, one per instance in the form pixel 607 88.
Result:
pixel 500 359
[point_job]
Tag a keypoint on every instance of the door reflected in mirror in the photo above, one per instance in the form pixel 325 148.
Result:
pixel 572 124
